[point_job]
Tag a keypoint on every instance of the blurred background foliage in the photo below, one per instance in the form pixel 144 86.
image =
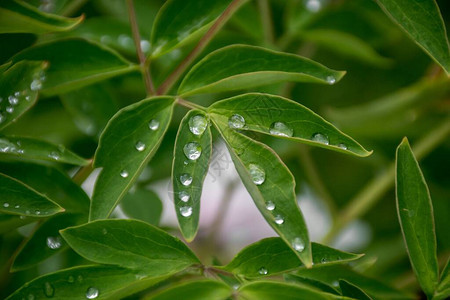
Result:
pixel 392 89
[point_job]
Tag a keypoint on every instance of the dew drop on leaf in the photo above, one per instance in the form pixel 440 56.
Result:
pixel 270 205
pixel 281 129
pixel 298 244
pixel 323 260
pixel 37 212
pixel 198 124
pixel 153 124
pixel 140 146
pixel 192 150
pixel 257 174
pixel 185 179
pixel 54 242
pixel 36 85
pixel 17 206
pixel 184 196
pixel 124 173
pixel 13 100
pixel 49 290
pixel 6 204
pixel 313 5
pixel 320 138
pixel 186 211
pixel 10 109
pixel 343 146
pixel 263 271
pixel 331 80
pixel 236 121
pixel 279 220
pixel 91 293
pixel 54 155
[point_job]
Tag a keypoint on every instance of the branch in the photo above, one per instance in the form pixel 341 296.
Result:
pixel 204 41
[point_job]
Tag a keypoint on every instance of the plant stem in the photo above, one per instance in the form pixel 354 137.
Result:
pixel 145 67
pixel 266 19
pixel 204 41
pixel 83 173
pixel 189 104
pixel 376 188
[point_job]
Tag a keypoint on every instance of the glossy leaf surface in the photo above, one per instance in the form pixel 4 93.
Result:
pixel 11 222
pixel 19 16
pixel 352 291
pixel 20 199
pixel 74 63
pixel 332 289
pixel 45 241
pixel 443 290
pixel 30 148
pixel 192 154
pixel 131 244
pixel 271 185
pixel 128 142
pixel 415 213
pixel 142 204
pixel 196 290
pixel 284 118
pixel 179 21
pixel 269 290
pixel 108 282
pixel 422 21
pixel 273 256
pixel 18 90
pixel 240 67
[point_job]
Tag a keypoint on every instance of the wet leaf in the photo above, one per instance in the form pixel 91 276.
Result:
pixel 350 290
pixel 142 204
pixel 196 290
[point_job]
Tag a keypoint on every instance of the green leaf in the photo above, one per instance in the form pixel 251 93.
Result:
pixel 284 118
pixel 55 184
pixel 422 21
pixel 443 290
pixel 20 199
pixel 271 185
pixel 109 282
pixel 346 45
pixel 312 283
pixel 415 213
pixel 269 290
pixel 30 148
pixel 333 273
pixel 11 222
pixel 90 107
pixel 132 244
pixel 350 290
pixel 18 16
pixel 45 241
pixel 196 290
pixel 191 157
pixel 75 63
pixel 272 256
pixel 142 204
pixel 240 67
pixel 128 142
pixel 5 67
pixel 180 21
pixel 18 90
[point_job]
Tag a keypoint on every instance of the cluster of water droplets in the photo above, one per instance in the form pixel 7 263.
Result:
pixel 54 243
pixel 323 139
pixel 49 289
pixel 140 146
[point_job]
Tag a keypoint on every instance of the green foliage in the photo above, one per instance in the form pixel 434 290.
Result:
pixel 112 80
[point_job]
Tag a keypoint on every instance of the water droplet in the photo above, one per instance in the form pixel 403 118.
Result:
pixel 198 124
pixel 20 151
pixel 140 146
pixel 279 220
pixel 125 41
pixel 2 118
pixel 263 271
pixel 10 109
pixel 313 5
pixel 22 217
pixel 17 206
pixel 105 39
pixel 49 290
pixel 123 174
pixel 54 242
pixel 91 293
pixel 331 80
pixel 236 121
pixel 186 211
pixel 281 129
pixel 323 260
pixel 13 100
pixel 145 46
pixel 184 196
pixel 71 279
pixel 153 124
pixel 105 231
pixel 27 98
pixel 36 85
pixel 343 146
pixel 257 173
pixel 192 150
pixel 298 244
pixel 27 212
pixel 6 204
pixel 37 212
pixel 320 138
pixel 17 94
pixel 270 205
pixel 335 283
pixel 54 155
pixel 186 179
